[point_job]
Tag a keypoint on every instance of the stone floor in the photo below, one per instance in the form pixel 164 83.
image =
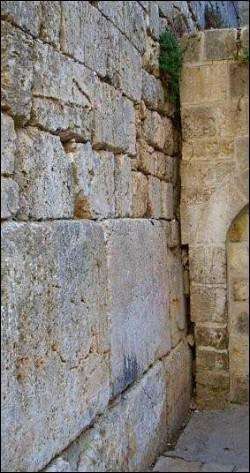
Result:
pixel 212 441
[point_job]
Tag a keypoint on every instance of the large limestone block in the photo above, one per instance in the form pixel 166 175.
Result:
pixel 124 67
pixel 8 145
pixel 167 200
pixel 154 162
pixel 114 122
pixel 68 121
pixel 54 338
pixel 220 44
pixel 152 92
pixel 211 358
pixel 94 185
pixel 9 198
pixel 43 172
pixel 129 18
pixel 16 71
pixel 138 297
pixel 208 304
pixel 50 28
pixel 130 435
pixel 123 186
pixel 177 309
pixel 207 265
pixel 204 83
pixel 212 336
pixel 154 130
pixel 84 35
pixel 154 197
pixel 139 194
pixel 178 369
pixel 25 14
pixel 59 77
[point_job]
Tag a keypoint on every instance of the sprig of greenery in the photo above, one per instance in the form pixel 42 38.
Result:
pixel 170 63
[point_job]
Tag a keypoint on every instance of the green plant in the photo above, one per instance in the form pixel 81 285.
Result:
pixel 170 63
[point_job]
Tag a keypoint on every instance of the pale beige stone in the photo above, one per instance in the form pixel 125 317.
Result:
pixel 123 186
pixel 44 175
pixel 137 294
pixel 208 304
pixel 154 130
pixel 178 385
pixel 154 197
pixel 9 198
pixel 204 83
pixel 150 58
pixel 167 200
pixel 8 144
pixel 152 91
pixel 207 264
pixel 54 337
pixel 176 465
pixel 154 162
pixel 50 22
pixel 139 194
pixel 220 44
pixel 177 309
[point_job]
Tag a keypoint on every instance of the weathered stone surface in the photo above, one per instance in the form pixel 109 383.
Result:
pixel 207 265
pixel 114 122
pixel 123 186
pixel 9 197
pixel 59 465
pixel 152 91
pixel 220 44
pixel 245 37
pixel 173 234
pixel 208 304
pixel 240 290
pixel 153 20
pixel 176 465
pixel 154 162
pixel 8 145
pixel 51 22
pixel 130 435
pixel 124 67
pixel 211 359
pixel 43 172
pixel 54 329
pixel 138 288
pixel 239 79
pixel 192 46
pixel 241 151
pixel 59 77
pixel 178 385
pixel 177 309
pixel 150 58
pixel 213 336
pixel 83 35
pixel 204 83
pixel 154 197
pixel 25 14
pixel 94 185
pixel 139 194
pixel 154 130
pixel 16 71
pixel 69 121
pixel 167 200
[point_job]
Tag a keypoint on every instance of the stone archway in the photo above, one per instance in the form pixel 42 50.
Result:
pixel 214 190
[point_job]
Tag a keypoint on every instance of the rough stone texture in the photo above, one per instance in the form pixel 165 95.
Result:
pixel 178 386
pixel 8 145
pixel 94 182
pixel 139 194
pixel 214 190
pixel 175 465
pixel 43 172
pixel 177 309
pixel 9 197
pixel 123 186
pixel 61 319
pixel 137 293
pixel 59 465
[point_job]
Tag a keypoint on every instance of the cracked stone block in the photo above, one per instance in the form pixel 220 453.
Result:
pixel 9 198
pixel 59 77
pixel 58 465
pixel 16 71
pixel 137 292
pixel 123 186
pixel 139 194
pixel 152 92
pixel 167 200
pixel 43 172
pixel 129 436
pixel 55 374
pixel 84 35
pixel 124 67
pixel 8 145
pixel 51 22
pixel 94 186
pixel 177 308
pixel 151 161
pixel 69 121
pixel 25 14
pixel 114 122
pixel 176 465
pixel 154 209
pixel 178 369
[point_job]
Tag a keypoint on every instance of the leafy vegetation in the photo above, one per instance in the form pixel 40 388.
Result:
pixel 170 63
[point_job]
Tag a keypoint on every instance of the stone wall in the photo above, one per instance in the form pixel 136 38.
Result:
pixel 214 180
pixel 238 306
pixel 93 311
